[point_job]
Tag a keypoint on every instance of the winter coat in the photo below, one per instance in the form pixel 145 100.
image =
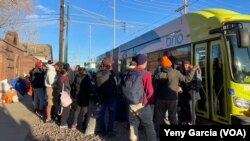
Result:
pixel 37 78
pixel 106 83
pixel 168 82
pixel 83 89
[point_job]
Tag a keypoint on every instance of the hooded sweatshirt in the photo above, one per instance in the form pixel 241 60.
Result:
pixel 50 76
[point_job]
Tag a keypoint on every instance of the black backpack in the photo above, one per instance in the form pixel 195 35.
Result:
pixel 105 83
pixel 132 86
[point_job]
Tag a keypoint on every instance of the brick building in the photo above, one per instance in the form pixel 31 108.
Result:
pixel 16 59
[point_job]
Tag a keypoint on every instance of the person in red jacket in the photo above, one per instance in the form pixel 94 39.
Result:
pixel 142 112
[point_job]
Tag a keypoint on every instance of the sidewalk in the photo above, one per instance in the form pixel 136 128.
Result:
pixel 16 120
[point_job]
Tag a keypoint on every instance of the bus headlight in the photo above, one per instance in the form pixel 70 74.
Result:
pixel 241 103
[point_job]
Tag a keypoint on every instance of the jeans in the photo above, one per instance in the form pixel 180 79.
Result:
pixel 140 113
pixel 39 98
pixel 111 105
pixel 160 111
pixel 77 114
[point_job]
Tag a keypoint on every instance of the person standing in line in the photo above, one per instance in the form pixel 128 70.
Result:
pixel 70 72
pixel 190 90
pixel 107 93
pixel 37 81
pixel 56 96
pixel 63 84
pixel 83 86
pixel 77 69
pixel 142 112
pixel 50 78
pixel 122 105
pixel 167 89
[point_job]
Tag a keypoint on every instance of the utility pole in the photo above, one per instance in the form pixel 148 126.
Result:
pixel 67 33
pixel 114 29
pixel 183 8
pixel 61 30
pixel 90 43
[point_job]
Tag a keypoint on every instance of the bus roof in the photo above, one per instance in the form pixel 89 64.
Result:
pixel 192 27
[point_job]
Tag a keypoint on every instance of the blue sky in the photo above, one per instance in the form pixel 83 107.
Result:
pixel 140 16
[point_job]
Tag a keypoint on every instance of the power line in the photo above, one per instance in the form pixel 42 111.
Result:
pixel 164 3
pixel 99 17
pixel 148 11
pixel 155 5
pixel 149 25
pixel 92 14
pixel 101 24
pixel 183 8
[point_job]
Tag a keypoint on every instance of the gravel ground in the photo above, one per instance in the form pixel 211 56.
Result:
pixel 51 132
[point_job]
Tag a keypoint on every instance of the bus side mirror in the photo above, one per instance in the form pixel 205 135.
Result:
pixel 243 38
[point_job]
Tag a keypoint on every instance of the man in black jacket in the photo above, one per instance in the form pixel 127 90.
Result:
pixel 107 92
pixel 83 88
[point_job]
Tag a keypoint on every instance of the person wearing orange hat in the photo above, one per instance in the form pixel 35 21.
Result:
pixel 167 82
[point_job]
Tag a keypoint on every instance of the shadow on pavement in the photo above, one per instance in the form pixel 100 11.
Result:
pixel 16 120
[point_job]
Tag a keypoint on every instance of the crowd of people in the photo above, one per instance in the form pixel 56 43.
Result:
pixel 94 94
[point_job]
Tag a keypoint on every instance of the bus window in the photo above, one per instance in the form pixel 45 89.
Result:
pixel 240 57
pixel 218 81
pixel 200 59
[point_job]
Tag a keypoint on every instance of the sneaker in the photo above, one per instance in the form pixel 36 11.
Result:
pixel 49 121
pixel 74 126
pixel 63 126
pixel 38 114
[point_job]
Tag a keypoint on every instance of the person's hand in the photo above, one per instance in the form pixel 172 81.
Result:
pixel 194 68
pixel 180 90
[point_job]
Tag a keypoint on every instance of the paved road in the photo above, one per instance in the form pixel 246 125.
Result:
pixel 16 120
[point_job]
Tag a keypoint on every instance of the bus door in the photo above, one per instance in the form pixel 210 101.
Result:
pixel 200 59
pixel 217 87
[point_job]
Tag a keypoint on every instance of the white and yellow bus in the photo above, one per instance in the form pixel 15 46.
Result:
pixel 215 39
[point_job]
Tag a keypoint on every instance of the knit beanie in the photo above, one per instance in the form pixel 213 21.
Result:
pixel 165 62
pixel 140 59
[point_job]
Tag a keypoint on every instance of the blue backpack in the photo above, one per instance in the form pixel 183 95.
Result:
pixel 132 86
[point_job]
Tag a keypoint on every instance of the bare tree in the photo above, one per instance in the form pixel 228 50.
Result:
pixel 13 12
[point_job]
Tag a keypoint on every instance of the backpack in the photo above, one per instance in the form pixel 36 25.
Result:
pixel 132 86
pixel 106 84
